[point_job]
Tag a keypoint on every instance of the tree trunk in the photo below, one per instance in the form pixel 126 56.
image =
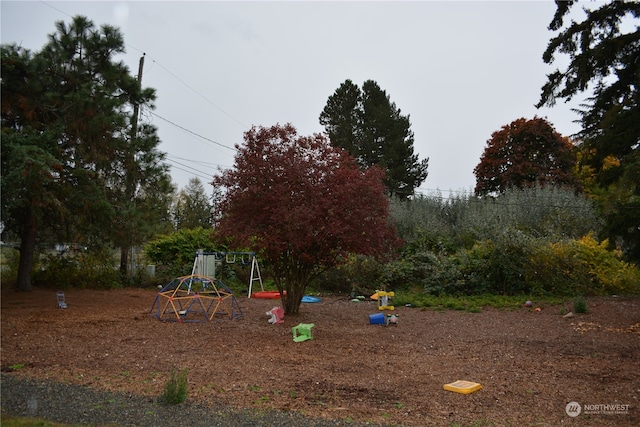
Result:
pixel 27 251
pixel 124 259
pixel 291 301
pixel 292 276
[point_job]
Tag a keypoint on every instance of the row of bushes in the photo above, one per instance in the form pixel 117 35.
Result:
pixel 539 240
pixel 534 241
pixel 508 265
pixel 94 269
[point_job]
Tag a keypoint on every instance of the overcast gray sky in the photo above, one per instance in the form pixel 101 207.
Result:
pixel 460 69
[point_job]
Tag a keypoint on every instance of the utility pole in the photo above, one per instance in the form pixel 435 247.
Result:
pixel 136 107
pixel 131 180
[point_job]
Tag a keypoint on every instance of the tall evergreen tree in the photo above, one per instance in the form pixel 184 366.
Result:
pixel 603 52
pixel 373 130
pixel 67 148
pixel 141 194
pixel 341 119
pixel 192 207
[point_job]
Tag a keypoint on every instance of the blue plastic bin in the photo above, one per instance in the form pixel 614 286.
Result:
pixel 376 319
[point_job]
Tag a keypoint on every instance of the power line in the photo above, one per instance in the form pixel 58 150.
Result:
pixel 438 190
pixel 200 162
pixel 199 94
pixel 190 171
pixel 187 166
pixel 191 89
pixel 55 8
pixel 245 126
pixel 192 132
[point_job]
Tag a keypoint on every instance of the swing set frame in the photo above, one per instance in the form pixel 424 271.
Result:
pixel 206 264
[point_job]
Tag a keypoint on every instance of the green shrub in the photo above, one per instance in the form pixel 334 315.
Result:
pixel 9 264
pixel 446 225
pixel 354 273
pixel 173 254
pixel 399 274
pixel 333 280
pixel 581 266
pixel 498 266
pixel 470 245
pixel 439 274
pixel 579 305
pixel 175 390
pixel 94 269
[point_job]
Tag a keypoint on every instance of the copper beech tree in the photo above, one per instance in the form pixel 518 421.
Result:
pixel 525 153
pixel 301 203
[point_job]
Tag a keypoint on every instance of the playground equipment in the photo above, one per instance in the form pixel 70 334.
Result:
pixel 383 300
pixel 61 301
pixel 195 298
pixel 302 332
pixel 464 387
pixel 376 319
pixel 277 315
pixel 267 294
pixel 206 264
pixel 392 319
pixel 381 319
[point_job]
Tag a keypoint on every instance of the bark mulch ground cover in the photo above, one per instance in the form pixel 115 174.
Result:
pixel 106 354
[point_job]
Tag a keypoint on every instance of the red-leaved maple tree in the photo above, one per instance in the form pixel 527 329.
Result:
pixel 301 203
pixel 525 153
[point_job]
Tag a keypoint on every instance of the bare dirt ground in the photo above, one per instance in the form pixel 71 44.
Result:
pixel 530 364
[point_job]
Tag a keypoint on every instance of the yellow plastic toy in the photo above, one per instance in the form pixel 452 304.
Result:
pixel 383 300
pixel 464 387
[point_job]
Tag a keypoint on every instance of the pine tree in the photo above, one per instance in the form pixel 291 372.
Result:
pixel 192 207
pixel 67 148
pixel 373 130
pixel 603 52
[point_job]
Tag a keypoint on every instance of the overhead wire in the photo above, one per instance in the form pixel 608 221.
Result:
pixel 193 170
pixel 200 95
pixel 218 108
pixel 190 171
pixel 55 8
pixel 187 166
pixel 192 132
pixel 203 163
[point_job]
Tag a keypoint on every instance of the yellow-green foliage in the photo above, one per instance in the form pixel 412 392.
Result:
pixel 581 266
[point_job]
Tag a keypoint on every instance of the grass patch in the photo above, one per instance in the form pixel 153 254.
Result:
pixel 263 399
pixel 469 303
pixel 175 391
pixel 9 421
